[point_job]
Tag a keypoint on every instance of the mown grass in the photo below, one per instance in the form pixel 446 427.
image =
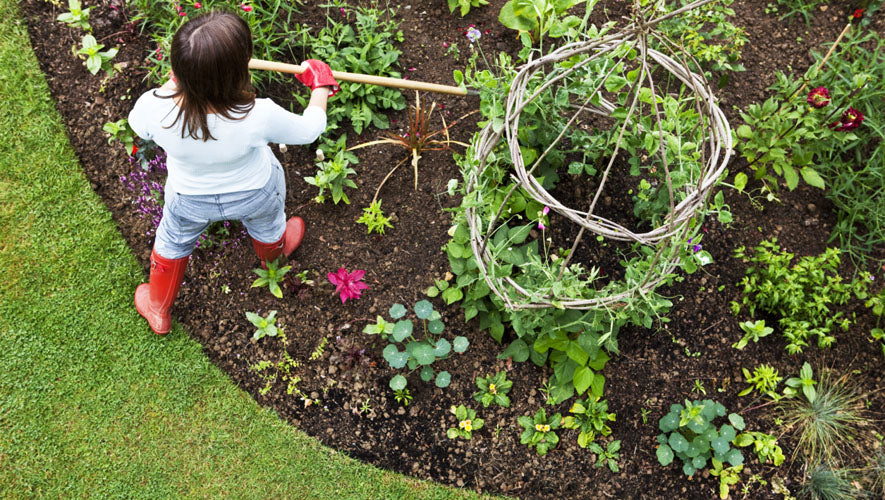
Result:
pixel 92 404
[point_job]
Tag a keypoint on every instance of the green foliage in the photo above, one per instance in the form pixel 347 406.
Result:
pixel 877 304
pixel 690 435
pixel 421 351
pixel 285 369
pixel 805 8
pixel 77 17
pixel 332 174
pixel 265 326
pixel 467 423
pixel 826 483
pixel 539 431
pixel 96 59
pixel 366 46
pixel 765 446
pixel 539 18
pixel 753 330
pixel 591 416
pixel 374 218
pixel 805 381
pixel 608 456
pixel 728 476
pixel 706 33
pixel 764 380
pixel 493 389
pixel 402 396
pixel 272 23
pixel 465 5
pixel 120 131
pixel 271 277
pixel 825 426
pixel 800 294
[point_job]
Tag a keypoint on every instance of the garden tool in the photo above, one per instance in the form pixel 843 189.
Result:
pixel 154 299
pixel 383 81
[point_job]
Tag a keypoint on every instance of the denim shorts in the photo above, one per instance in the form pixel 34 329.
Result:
pixel 185 217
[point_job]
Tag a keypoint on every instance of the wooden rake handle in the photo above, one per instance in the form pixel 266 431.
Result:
pixel 383 81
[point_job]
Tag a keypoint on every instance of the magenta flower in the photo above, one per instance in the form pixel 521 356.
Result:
pixel 246 8
pixel 851 119
pixel 348 285
pixel 818 97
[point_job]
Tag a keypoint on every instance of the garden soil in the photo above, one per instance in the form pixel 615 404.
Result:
pixel 350 406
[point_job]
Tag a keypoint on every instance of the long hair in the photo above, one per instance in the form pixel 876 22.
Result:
pixel 210 59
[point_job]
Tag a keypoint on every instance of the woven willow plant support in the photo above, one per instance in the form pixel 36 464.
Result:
pixel 716 150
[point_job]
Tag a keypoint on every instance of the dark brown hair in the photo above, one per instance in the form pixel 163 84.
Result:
pixel 210 59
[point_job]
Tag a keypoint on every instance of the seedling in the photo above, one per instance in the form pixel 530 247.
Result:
pixel 608 456
pixel 272 276
pixel 265 326
pixel 540 431
pixel 467 423
pixel 493 390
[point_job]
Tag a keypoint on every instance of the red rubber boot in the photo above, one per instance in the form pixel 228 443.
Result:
pixel 154 299
pixel 292 236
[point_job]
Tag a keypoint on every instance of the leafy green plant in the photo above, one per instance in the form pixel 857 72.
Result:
pixel 467 423
pixel 690 435
pixel 76 17
pixel 591 416
pixel 877 304
pixel 826 483
pixel 608 456
pixel 285 368
pixel 537 18
pixel 265 326
pixel 764 380
pixel 805 8
pixel 805 381
pixel 332 174
pixel 120 131
pixel 765 446
pixel 420 350
pixel 728 476
pixel 825 426
pixel 493 389
pixel 800 294
pixel 402 396
pixel 753 330
pixel 539 431
pixel 465 5
pixel 374 218
pixel 271 277
pixel 365 46
pixel 450 294
pixel 96 59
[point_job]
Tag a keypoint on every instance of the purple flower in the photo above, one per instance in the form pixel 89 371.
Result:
pixel 348 285
pixel 696 248
pixel 473 34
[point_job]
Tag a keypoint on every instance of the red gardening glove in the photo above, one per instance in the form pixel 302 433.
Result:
pixel 318 74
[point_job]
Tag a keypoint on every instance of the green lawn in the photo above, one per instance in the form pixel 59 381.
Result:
pixel 92 403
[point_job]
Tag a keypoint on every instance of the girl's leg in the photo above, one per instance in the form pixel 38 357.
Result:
pixel 271 234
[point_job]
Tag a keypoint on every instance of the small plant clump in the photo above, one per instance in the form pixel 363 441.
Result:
pixel 690 435
pixel 332 175
pixel 493 389
pixel 271 277
pixel 540 431
pixel 266 326
pixel 374 218
pixel 608 455
pixel 591 416
pixel 467 423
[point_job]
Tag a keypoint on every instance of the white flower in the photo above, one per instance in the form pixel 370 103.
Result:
pixel 320 155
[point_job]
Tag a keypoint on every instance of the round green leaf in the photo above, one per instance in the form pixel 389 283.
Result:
pixel 398 383
pixel 678 442
pixel 443 348
pixel 720 445
pixel 423 309
pixel 669 422
pixel 397 311
pixel 394 357
pixel 402 329
pixel 423 354
pixel 443 379
pixel 737 421
pixel 452 433
pixel 727 432
pixel 698 462
pixel 665 455
pixel 735 457
pixel 688 469
pixel 461 344
pixel 436 327
pixel 426 373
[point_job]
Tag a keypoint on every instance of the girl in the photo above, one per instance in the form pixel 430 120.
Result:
pixel 220 167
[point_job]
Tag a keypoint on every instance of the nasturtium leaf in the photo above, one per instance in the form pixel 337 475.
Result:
pixel 423 309
pixel 665 455
pixel 442 349
pixel 735 457
pixel 402 329
pixel 461 343
pixel 423 354
pixel 443 379
pixel 426 373
pixel 720 445
pixel 398 383
pixel 397 311
pixel 436 327
pixel 720 409
pixel 701 443
pixel 662 439
pixel 394 357
pixel 737 421
pixel 727 432
pixel 688 469
pixel 699 462
pixel 669 422
pixel 678 442
pixel 692 451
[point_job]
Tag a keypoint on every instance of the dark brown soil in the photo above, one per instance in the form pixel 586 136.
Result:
pixel 655 369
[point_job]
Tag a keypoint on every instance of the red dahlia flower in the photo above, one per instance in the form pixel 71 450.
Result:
pixel 819 97
pixel 851 119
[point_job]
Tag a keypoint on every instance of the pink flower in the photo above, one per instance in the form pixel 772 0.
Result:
pixel 246 8
pixel 545 211
pixel 348 285
pixel 182 13
pixel 445 44
pixel 197 5
pixel 818 97
pixel 851 119
pixel 341 10
pixel 541 226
